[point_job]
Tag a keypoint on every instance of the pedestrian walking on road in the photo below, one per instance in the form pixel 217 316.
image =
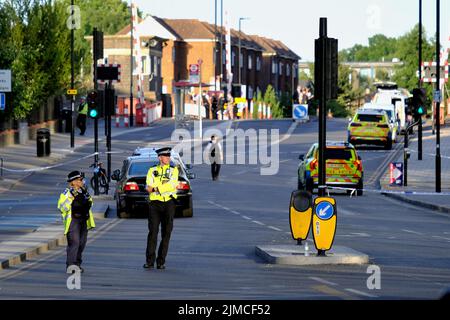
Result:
pixel 82 116
pixel 214 151
pixel 75 204
pixel 162 182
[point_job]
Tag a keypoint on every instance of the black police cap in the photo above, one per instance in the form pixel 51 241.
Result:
pixel 164 151
pixel 74 175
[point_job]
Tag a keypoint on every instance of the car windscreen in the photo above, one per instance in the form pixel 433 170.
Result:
pixel 141 168
pixel 339 154
pixel 370 118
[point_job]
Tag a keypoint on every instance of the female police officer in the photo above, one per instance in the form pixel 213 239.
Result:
pixel 75 205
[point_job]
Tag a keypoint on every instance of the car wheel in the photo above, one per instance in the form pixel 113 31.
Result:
pixel 360 188
pixel 310 185
pixel 388 145
pixel 189 212
pixel 121 213
pixel 300 185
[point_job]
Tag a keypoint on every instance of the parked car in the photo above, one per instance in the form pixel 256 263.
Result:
pixel 343 167
pixel 370 127
pixel 131 194
pixel 174 156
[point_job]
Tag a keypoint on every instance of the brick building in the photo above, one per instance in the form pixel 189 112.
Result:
pixel 171 45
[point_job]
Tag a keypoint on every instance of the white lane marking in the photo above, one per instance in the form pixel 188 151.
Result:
pixel 414 232
pixel 347 212
pixel 323 281
pixel 361 234
pixel 246 218
pixel 274 228
pixel 361 293
pixel 235 212
pixel 225 208
pixel 260 223
pixel 443 238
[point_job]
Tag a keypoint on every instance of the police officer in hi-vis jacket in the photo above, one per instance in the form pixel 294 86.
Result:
pixel 75 204
pixel 162 181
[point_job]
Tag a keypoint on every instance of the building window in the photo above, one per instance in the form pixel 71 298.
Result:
pixel 281 68
pixel 274 67
pixel 174 54
pixel 250 62
pixel 288 70
pixel 295 71
pixel 258 64
pixel 241 60
pixel 233 57
pixel 224 56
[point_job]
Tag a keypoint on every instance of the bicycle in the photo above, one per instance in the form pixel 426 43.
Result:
pixel 103 185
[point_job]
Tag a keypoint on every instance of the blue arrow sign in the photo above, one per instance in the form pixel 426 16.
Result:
pixel 2 102
pixel 324 210
pixel 300 112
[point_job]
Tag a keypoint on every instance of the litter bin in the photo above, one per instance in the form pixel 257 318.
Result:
pixel 43 142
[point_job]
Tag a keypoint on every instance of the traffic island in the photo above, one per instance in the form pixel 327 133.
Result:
pixel 295 255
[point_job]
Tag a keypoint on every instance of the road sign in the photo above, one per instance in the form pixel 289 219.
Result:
pixel 324 222
pixel 300 112
pixel 5 81
pixel 396 174
pixel 300 214
pixel 429 71
pixel 72 92
pixel 2 101
pixel 194 73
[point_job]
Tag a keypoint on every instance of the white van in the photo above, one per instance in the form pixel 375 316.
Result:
pixel 397 98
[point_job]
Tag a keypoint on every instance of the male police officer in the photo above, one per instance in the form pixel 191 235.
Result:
pixel 162 181
pixel 75 205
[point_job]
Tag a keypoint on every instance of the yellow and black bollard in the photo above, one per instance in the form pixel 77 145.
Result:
pixel 300 215
pixel 324 224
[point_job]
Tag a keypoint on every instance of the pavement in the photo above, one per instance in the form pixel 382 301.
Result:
pixel 23 237
pixel 421 180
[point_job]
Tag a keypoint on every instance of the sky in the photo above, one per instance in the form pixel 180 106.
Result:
pixel 296 22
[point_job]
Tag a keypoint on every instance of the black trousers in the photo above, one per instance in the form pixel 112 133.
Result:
pixel 81 123
pixel 160 213
pixel 76 241
pixel 215 170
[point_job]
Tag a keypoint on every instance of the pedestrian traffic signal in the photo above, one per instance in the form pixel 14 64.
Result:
pixel 419 102
pixel 93 104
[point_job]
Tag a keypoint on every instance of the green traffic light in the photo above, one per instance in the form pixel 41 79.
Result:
pixel 93 113
pixel 420 111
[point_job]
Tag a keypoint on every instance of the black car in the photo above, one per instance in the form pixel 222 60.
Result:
pixel 131 195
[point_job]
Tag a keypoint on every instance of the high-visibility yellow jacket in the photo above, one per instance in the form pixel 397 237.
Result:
pixel 65 206
pixel 85 109
pixel 165 178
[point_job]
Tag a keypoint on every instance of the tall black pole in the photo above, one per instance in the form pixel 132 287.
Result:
pixel 215 46
pixel 239 54
pixel 221 47
pixel 72 82
pixel 131 68
pixel 420 148
pixel 109 105
pixel 95 36
pixel 438 103
pixel 322 108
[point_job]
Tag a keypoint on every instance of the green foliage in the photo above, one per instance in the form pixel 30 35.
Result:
pixel 271 99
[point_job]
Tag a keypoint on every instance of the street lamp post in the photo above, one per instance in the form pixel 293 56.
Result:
pixel 239 54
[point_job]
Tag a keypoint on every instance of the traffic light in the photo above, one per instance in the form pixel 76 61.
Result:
pixel 419 102
pixel 409 107
pixel 93 104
